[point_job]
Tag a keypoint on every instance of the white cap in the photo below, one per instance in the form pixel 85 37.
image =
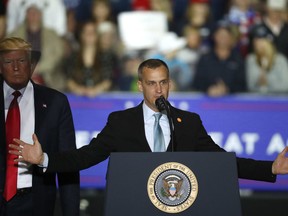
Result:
pixel 170 42
pixel 106 27
pixel 277 4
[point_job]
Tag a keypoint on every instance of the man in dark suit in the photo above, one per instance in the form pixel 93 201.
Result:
pixel 131 130
pixel 47 113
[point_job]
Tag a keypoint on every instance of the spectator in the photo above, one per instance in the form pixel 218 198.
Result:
pixel 194 48
pixel 267 69
pixel 199 16
pixel 242 14
pixel 72 25
pixel 129 76
pixel 180 72
pixel 101 12
pixel 221 71
pixel 48 42
pixel 165 6
pixel 85 66
pixel 54 14
pixel 274 22
pixel 110 51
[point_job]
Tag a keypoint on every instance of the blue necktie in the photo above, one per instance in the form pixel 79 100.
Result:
pixel 159 143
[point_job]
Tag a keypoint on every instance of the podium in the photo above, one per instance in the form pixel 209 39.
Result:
pixel 179 183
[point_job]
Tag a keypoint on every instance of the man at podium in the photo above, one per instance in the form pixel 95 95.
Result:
pixel 139 130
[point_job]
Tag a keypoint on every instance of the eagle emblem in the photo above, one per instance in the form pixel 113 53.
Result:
pixel 172 187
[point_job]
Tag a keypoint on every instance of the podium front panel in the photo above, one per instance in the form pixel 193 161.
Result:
pixel 216 174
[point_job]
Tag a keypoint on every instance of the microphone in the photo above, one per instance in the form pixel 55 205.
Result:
pixel 161 104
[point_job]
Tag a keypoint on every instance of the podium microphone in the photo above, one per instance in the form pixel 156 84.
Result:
pixel 163 106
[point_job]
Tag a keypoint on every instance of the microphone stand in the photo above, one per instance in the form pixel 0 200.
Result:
pixel 164 107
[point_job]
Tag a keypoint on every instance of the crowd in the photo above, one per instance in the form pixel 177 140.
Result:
pixel 217 47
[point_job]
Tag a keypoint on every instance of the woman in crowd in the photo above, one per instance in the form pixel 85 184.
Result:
pixel 84 67
pixel 267 69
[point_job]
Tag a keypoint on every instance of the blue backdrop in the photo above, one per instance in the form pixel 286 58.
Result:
pixel 250 125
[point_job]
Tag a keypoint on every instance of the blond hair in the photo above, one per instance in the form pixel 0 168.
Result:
pixel 267 53
pixel 14 43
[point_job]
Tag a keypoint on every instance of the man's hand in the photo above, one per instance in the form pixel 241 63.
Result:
pixel 27 152
pixel 280 165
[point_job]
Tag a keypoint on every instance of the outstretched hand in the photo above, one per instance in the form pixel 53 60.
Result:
pixel 280 165
pixel 27 152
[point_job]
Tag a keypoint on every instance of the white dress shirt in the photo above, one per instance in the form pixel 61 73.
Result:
pixel 27 126
pixel 149 120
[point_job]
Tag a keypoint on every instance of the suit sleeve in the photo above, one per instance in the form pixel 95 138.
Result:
pixel 89 155
pixel 247 168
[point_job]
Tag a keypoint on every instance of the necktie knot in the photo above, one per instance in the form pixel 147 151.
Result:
pixel 14 102
pixel 157 116
pixel 16 94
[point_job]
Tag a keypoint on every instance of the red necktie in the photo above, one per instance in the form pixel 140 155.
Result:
pixel 12 131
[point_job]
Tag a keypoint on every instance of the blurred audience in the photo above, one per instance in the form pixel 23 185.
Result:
pixel 48 71
pixel 165 6
pixel 167 49
pixel 221 71
pixel 71 4
pixel 54 14
pixel 129 75
pixel 101 12
pixel 274 22
pixel 267 69
pixel 110 50
pixel 242 14
pixel 2 19
pixel 70 37
pixel 84 67
pixel 199 16
pixel 193 50
pixel 202 55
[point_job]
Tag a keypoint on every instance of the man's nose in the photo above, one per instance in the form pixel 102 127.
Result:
pixel 15 65
pixel 158 87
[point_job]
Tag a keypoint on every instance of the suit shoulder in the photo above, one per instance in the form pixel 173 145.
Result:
pixel 125 114
pixel 49 93
pixel 181 112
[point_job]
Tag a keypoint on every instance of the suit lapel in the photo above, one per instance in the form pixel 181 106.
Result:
pixel 2 139
pixel 139 121
pixel 40 108
pixel 177 124
pixel 2 113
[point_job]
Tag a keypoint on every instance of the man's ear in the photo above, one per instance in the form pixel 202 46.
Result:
pixel 33 66
pixel 139 84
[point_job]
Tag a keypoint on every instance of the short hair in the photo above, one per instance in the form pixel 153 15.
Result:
pixel 14 43
pixel 152 64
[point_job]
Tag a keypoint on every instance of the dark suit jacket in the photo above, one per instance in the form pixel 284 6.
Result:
pixel 55 130
pixel 124 132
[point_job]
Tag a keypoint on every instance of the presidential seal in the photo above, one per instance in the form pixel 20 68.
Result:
pixel 172 187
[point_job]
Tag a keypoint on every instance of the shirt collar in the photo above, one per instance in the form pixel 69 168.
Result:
pixel 148 113
pixel 8 91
